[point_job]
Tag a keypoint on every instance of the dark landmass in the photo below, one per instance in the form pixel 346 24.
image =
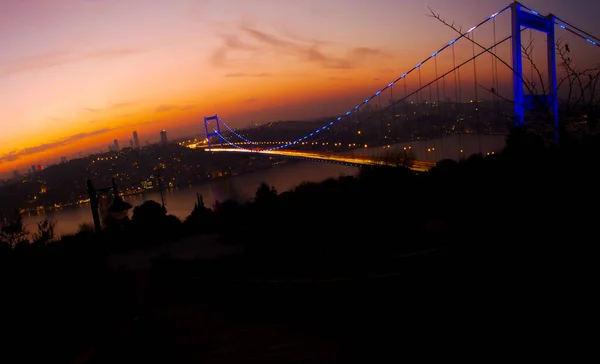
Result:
pixel 134 170
pixel 489 257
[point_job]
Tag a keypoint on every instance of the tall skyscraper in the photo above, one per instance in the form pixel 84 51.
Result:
pixel 116 145
pixel 136 141
pixel 163 137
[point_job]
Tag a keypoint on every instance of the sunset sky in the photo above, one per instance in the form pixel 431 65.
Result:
pixel 76 74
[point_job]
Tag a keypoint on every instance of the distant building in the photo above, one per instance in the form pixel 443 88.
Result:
pixel 33 168
pixel 116 145
pixel 131 143
pixel 16 175
pixel 39 167
pixel 163 137
pixel 63 159
pixel 136 140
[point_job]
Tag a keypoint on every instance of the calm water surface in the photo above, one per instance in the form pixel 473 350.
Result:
pixel 180 201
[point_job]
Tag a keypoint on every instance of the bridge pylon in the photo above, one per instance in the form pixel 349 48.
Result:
pixel 529 19
pixel 207 121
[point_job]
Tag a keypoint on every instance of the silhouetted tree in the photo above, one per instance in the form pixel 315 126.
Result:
pixel 201 219
pixel 150 223
pixel 229 215
pixel 265 195
pixel 86 228
pixel 44 233
pixel 148 213
pixel 114 227
pixel 582 102
pixel 579 110
pixel 12 231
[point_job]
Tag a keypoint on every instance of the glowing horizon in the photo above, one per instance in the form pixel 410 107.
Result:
pixel 76 74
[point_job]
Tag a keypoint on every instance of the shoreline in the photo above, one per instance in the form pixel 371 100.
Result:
pixel 71 206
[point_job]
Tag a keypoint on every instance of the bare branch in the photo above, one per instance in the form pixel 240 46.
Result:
pixel 459 31
pixel 496 94
pixel 528 51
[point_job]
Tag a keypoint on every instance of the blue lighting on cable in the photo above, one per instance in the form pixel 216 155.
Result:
pixel 389 85
pixel 227 140
pixel 591 41
pixel 234 132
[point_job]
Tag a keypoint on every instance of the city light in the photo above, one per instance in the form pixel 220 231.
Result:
pixel 367 100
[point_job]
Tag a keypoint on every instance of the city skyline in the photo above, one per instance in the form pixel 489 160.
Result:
pixel 112 147
pixel 75 74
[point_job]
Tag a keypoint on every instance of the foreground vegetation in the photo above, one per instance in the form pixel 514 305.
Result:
pixel 531 202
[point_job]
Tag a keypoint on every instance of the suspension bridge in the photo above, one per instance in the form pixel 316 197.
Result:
pixel 459 100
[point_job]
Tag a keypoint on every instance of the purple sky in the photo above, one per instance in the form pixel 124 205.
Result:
pixel 75 74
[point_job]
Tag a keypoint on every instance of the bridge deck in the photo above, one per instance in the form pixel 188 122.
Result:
pixel 420 166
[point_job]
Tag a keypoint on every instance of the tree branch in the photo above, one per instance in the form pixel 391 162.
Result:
pixel 451 26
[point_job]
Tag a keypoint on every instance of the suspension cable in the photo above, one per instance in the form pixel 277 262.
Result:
pixel 382 127
pixel 394 121
pixel 495 82
pixel 458 90
pixel 530 50
pixel 359 127
pixel 597 44
pixel 565 24
pixel 406 109
pixel 437 88
pixel 403 76
pixel 485 50
pixel 476 98
pixel 420 96
pixel 445 97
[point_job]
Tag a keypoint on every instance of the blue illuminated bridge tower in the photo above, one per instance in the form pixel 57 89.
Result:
pixel 376 115
pixel 216 130
pixel 530 19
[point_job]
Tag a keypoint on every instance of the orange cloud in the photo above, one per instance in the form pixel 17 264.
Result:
pixel 254 43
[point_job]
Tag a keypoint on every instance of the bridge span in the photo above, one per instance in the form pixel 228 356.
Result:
pixel 420 166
